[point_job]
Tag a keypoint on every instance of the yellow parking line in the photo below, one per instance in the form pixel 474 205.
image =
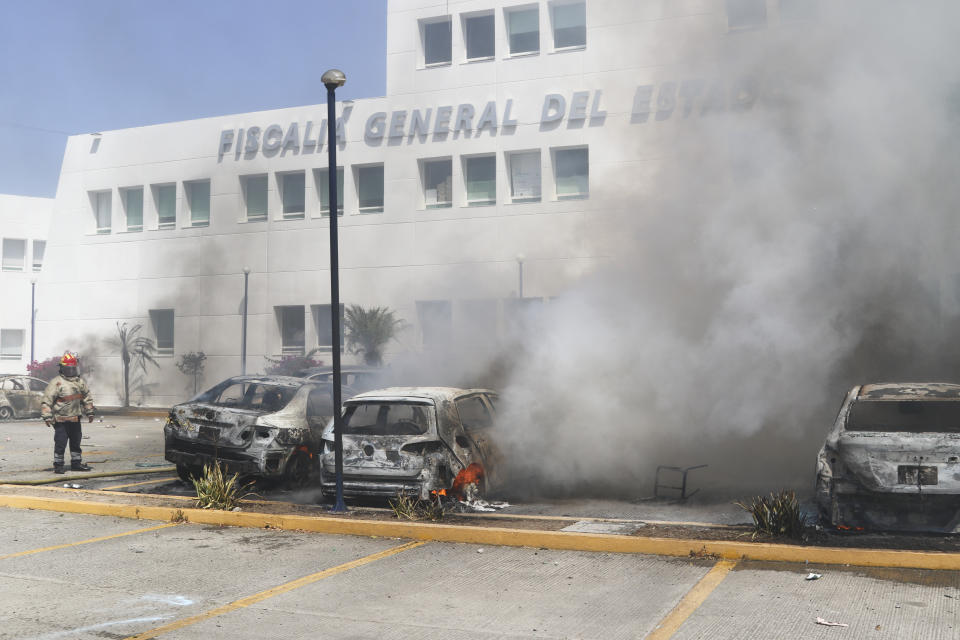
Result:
pixel 275 591
pixel 690 602
pixel 74 544
pixel 137 484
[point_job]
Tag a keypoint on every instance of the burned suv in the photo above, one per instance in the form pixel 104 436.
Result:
pixel 20 396
pixel 892 459
pixel 414 440
pixel 266 426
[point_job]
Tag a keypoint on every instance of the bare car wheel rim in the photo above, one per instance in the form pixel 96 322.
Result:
pixel 6 413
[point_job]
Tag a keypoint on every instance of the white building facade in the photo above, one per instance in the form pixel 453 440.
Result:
pixel 24 224
pixel 511 136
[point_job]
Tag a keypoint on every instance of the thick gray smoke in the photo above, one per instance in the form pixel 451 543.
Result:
pixel 782 254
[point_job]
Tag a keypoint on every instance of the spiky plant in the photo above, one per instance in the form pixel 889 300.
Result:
pixel 407 508
pixel 217 491
pixel 777 516
pixel 136 351
pixel 369 330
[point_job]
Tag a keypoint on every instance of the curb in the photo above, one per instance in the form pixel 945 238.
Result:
pixel 499 536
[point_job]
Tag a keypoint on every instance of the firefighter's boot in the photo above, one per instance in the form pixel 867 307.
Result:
pixel 76 465
pixel 58 467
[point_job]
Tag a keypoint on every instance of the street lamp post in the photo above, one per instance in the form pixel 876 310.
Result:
pixel 520 259
pixel 243 324
pixel 333 79
pixel 33 316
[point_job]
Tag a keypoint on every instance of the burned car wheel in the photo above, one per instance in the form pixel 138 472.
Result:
pixel 188 472
pixel 6 413
pixel 298 471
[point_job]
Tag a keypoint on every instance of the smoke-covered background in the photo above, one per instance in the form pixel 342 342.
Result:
pixel 782 254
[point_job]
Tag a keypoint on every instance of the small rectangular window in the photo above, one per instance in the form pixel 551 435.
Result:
pixel 436 41
pixel 39 248
pixel 744 14
pixel 478 32
pixel 14 254
pixel 525 176
pixel 323 188
pixel 133 206
pixel 523 30
pixel 323 324
pixel 11 344
pixel 165 197
pixel 255 196
pixel 102 210
pixel 370 188
pixel 292 192
pixel 291 321
pixel 569 25
pixel 480 175
pixel 571 171
pixel 435 318
pixel 198 197
pixel 437 183
pixel 162 321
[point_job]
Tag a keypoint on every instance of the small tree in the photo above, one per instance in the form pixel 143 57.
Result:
pixel 46 370
pixel 369 330
pixel 192 364
pixel 135 350
pixel 292 365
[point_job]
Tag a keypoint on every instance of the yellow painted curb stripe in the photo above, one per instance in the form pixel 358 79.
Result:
pixel 74 544
pixel 690 602
pixel 501 536
pixel 275 591
pixel 138 484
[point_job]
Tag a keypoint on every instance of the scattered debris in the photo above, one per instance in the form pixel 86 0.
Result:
pixel 479 550
pixel 827 623
pixel 813 576
pixel 109 426
pixel 151 464
pixel 100 420
pixel 68 485
pixel 947 595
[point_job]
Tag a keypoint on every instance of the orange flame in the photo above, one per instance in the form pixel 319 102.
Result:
pixel 473 474
pixel 441 492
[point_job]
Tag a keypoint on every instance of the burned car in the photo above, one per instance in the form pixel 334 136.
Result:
pixel 264 426
pixel 414 440
pixel 20 397
pixel 357 377
pixel 892 459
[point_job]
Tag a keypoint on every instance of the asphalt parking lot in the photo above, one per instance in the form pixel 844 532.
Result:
pixel 83 576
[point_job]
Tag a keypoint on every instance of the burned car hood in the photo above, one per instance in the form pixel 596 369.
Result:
pixel 901 463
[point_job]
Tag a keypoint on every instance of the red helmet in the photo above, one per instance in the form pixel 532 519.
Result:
pixel 68 360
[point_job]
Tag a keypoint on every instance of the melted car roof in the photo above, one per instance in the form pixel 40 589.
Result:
pixel 910 391
pixel 426 393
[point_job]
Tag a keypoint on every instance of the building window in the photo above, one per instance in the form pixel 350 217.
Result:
pixel 523 30
pixel 101 210
pixel 524 176
pixel 165 197
pixel 133 206
pixel 322 323
pixel 743 14
pixel 793 10
pixel 291 321
pixel 39 247
pixel 292 193
pixel 436 41
pixel 162 321
pixel 14 254
pixel 255 196
pixel 478 32
pixel 323 188
pixel 571 172
pixel 435 318
pixel 11 344
pixel 437 183
pixel 569 25
pixel 370 188
pixel 480 176
pixel 198 199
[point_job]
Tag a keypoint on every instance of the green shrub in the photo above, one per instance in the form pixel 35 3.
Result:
pixel 407 508
pixel 216 491
pixel 776 516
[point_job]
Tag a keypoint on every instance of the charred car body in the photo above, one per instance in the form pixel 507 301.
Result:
pixel 20 397
pixel 266 426
pixel 414 440
pixel 892 459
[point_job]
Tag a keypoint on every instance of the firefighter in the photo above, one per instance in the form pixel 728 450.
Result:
pixel 65 400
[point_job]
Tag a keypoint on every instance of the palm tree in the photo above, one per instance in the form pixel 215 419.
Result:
pixel 369 330
pixel 134 349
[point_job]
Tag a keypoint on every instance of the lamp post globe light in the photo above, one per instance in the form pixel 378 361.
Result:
pixel 243 323
pixel 332 80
